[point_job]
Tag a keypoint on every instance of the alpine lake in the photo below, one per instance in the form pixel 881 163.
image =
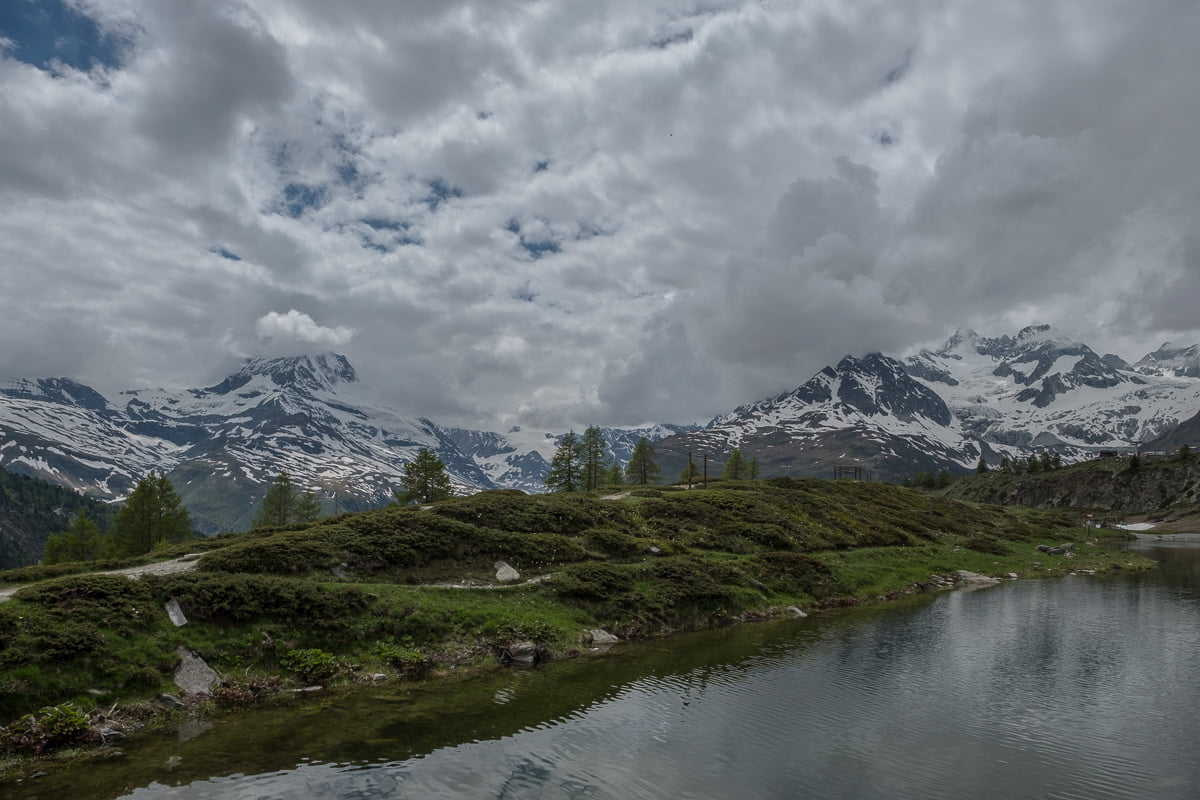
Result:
pixel 1076 687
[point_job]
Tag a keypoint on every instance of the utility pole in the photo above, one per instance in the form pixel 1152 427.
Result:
pixel 690 468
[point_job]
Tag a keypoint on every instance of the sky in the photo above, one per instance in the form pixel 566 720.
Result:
pixel 567 212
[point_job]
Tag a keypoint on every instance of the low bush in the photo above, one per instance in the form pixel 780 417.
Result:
pixel 238 598
pixel 312 664
pixel 594 581
pixel 52 727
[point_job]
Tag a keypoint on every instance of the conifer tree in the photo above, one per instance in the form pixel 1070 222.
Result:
pixel 566 467
pixel 279 506
pixel 79 542
pixel 753 470
pixel 691 473
pixel 152 514
pixel 615 476
pixel 642 469
pixel 593 456
pixel 1005 464
pixel 308 508
pixel 424 479
pixel 982 466
pixel 735 467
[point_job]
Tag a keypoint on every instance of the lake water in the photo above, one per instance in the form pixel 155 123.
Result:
pixel 1081 687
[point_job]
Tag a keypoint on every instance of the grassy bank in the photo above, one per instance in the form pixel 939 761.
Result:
pixel 354 597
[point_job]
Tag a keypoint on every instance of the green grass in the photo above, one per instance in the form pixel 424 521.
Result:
pixel 343 599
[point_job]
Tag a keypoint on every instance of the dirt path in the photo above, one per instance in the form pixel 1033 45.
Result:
pixel 182 564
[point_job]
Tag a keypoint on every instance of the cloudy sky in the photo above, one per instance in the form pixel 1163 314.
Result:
pixel 574 212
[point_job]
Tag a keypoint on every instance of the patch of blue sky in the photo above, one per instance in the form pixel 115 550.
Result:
pixel 42 32
pixel 223 252
pixel 535 247
pixel 384 243
pixel 439 192
pixel 299 198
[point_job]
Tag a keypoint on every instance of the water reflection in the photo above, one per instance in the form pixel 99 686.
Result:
pixel 1078 687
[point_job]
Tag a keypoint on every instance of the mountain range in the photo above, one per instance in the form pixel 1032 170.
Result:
pixel 974 397
pixel 221 446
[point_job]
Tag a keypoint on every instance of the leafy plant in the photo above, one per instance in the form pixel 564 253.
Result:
pixel 311 664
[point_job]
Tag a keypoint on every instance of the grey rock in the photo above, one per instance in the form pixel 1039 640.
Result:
pixel 193 676
pixel 1043 548
pixel 599 636
pixel 171 701
pixel 974 578
pixel 652 550
pixel 340 571
pixel 505 573
pixel 108 735
pixel 175 613
pixel 795 612
pixel 521 653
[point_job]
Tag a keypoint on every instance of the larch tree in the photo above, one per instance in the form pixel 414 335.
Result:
pixel 79 542
pixel 566 467
pixel 642 469
pixel 593 458
pixel 753 469
pixel 286 505
pixel 735 467
pixel 153 514
pixel 615 476
pixel 424 479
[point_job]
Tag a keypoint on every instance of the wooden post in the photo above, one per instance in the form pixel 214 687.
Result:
pixel 689 469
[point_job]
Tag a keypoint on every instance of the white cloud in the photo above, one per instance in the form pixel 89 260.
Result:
pixel 295 327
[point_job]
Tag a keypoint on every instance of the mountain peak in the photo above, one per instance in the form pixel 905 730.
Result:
pixel 322 372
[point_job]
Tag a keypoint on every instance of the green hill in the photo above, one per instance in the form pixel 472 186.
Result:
pixel 411 591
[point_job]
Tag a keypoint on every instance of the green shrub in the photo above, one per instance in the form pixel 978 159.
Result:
pixel 52 727
pixel 236 598
pixel 986 544
pixel 594 581
pixel 795 573
pixel 409 660
pixel 614 543
pixel 312 664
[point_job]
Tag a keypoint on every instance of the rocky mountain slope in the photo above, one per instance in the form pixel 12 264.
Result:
pixel 975 396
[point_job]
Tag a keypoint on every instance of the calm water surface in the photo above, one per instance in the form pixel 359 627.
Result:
pixel 1082 687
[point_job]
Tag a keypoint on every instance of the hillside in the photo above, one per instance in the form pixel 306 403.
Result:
pixel 31 510
pixel 1161 486
pixel 408 591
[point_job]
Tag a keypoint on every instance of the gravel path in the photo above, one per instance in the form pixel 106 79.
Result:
pixel 182 564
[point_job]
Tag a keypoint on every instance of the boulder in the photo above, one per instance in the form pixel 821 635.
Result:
pixel 795 612
pixel 521 653
pixel 974 578
pixel 175 613
pixel 193 676
pixel 505 573
pixel 598 636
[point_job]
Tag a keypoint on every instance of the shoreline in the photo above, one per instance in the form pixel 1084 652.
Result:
pixel 140 717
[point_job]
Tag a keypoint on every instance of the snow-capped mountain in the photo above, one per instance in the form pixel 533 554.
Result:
pixel 223 445
pixel 1170 361
pixel 1042 390
pixel 866 412
pixel 975 396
